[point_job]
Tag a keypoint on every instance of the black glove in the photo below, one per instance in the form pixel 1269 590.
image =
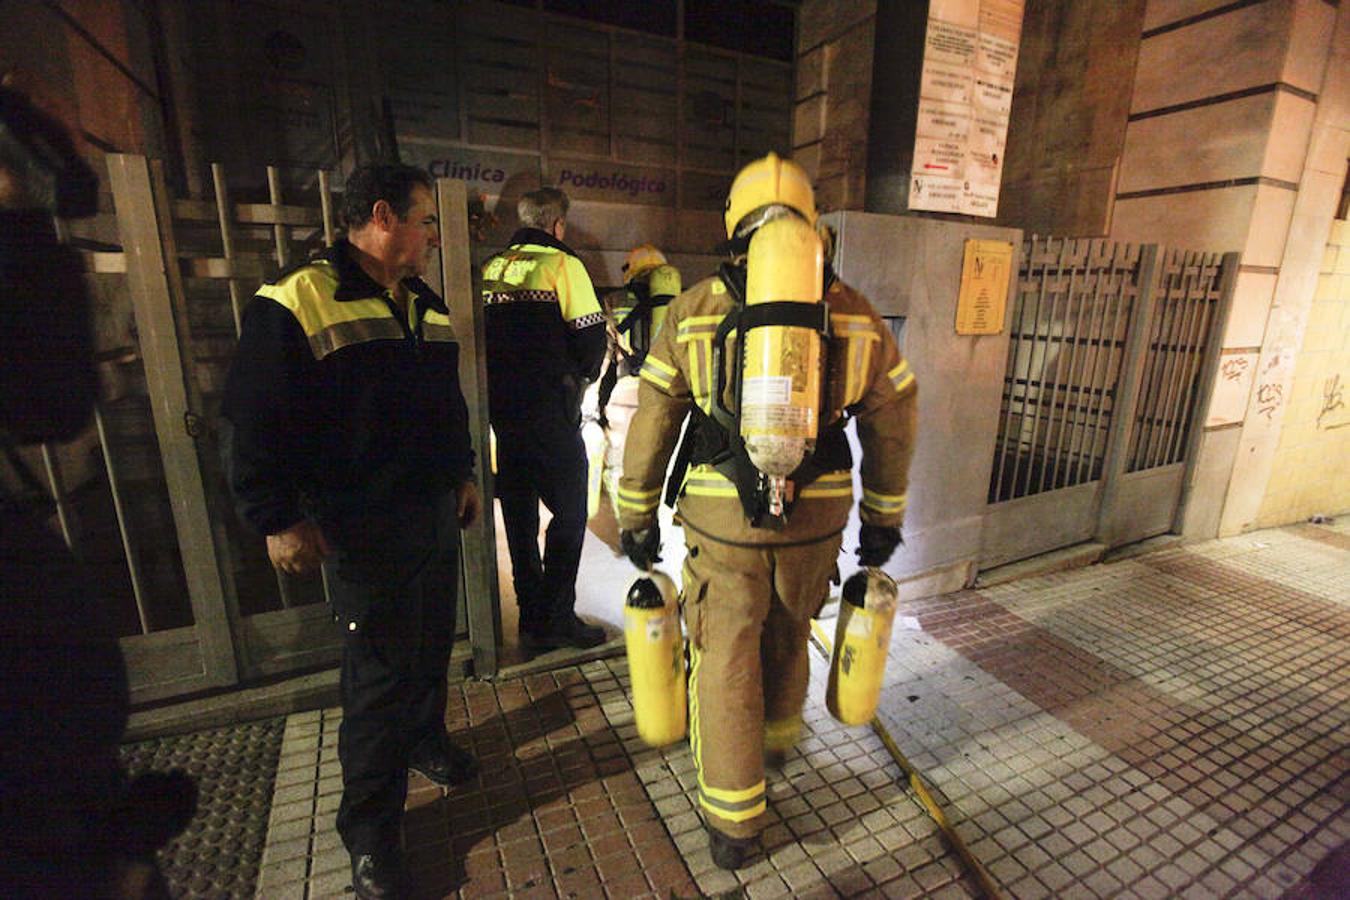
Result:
pixel 642 545
pixel 876 543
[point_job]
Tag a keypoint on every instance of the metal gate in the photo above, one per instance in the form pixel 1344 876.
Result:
pixel 1109 353
pixel 188 586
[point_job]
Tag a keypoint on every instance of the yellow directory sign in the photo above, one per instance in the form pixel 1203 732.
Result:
pixel 984 287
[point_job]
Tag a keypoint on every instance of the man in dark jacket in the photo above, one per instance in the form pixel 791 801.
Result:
pixel 545 341
pixel 347 444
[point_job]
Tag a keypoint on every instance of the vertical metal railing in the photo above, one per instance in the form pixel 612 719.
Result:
pixel 1188 297
pixel 60 498
pixel 1059 386
pixel 129 549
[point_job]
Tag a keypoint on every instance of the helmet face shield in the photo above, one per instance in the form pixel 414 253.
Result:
pixel 758 218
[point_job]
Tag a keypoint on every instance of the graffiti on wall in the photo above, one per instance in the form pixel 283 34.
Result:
pixel 1334 413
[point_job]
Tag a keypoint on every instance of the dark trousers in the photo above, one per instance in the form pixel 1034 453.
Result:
pixel 543 460
pixel 393 684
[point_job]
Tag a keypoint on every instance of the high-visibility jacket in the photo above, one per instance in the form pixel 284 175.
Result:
pixel 545 330
pixel 337 407
pixel 867 378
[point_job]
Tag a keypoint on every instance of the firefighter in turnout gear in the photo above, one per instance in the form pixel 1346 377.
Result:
pixel 545 343
pixel 762 547
pixel 635 315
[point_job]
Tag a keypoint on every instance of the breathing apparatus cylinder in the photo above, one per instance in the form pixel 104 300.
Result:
pixel 651 628
pixel 782 369
pixel 861 639
pixel 663 284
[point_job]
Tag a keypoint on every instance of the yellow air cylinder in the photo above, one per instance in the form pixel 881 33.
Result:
pixel 651 630
pixel 861 640
pixel 781 373
pixel 663 284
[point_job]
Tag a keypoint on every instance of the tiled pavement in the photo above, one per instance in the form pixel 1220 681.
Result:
pixel 1170 725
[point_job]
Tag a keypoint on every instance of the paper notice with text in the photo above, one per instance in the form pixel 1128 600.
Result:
pixel 965 99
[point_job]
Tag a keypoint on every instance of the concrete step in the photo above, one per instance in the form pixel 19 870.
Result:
pixel 1077 556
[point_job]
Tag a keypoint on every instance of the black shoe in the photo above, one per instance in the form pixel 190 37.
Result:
pixel 728 852
pixel 379 876
pixel 575 633
pixel 443 762
pixel 775 759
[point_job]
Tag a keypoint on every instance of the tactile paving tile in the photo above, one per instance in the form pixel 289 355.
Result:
pixel 218 854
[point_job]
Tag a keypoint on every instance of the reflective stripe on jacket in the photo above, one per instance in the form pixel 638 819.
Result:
pixel 545 330
pixel 867 376
pixel 336 407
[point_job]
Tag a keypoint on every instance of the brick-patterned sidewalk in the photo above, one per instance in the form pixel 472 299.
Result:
pixel 1171 725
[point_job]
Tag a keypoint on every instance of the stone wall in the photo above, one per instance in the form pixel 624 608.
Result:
pixel 830 121
pixel 1218 156
pixel 1310 474
pixel 1070 103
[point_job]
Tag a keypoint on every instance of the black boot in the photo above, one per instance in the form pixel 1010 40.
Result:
pixel 379 876
pixel 728 852
pixel 571 632
pixel 443 762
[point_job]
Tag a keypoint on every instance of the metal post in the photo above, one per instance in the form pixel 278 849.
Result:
pixel 128 543
pixel 153 280
pixel 479 542
pixel 64 517
pixel 1127 388
pixel 223 210
pixel 1209 374
pixel 1045 362
pixel 1095 340
pixel 1062 394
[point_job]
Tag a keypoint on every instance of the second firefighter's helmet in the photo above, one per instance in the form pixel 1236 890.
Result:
pixel 641 259
pixel 767 182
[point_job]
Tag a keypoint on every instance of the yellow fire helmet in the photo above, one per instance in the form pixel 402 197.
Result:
pixel 769 181
pixel 642 258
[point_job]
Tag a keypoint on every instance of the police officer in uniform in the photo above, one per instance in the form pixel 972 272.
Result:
pixel 752 581
pixel 545 343
pixel 346 442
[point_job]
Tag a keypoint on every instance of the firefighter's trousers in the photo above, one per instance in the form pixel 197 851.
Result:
pixel 748 610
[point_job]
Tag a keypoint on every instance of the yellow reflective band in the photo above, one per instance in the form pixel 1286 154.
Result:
pixel 740 812
pixel 718 287
pixel 696 489
pixel 783 733
pixel 732 796
pixel 660 366
pixel 695 741
pixel 662 383
pixel 697 327
pixel 884 503
pixel 705 481
pixel 700 354
pixel 659 373
pixel 815 493
pixel 900 376
pixel 851 318
pixel 831 484
pixel 639 501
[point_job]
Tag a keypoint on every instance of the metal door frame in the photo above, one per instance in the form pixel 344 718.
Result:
pixel 224 648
